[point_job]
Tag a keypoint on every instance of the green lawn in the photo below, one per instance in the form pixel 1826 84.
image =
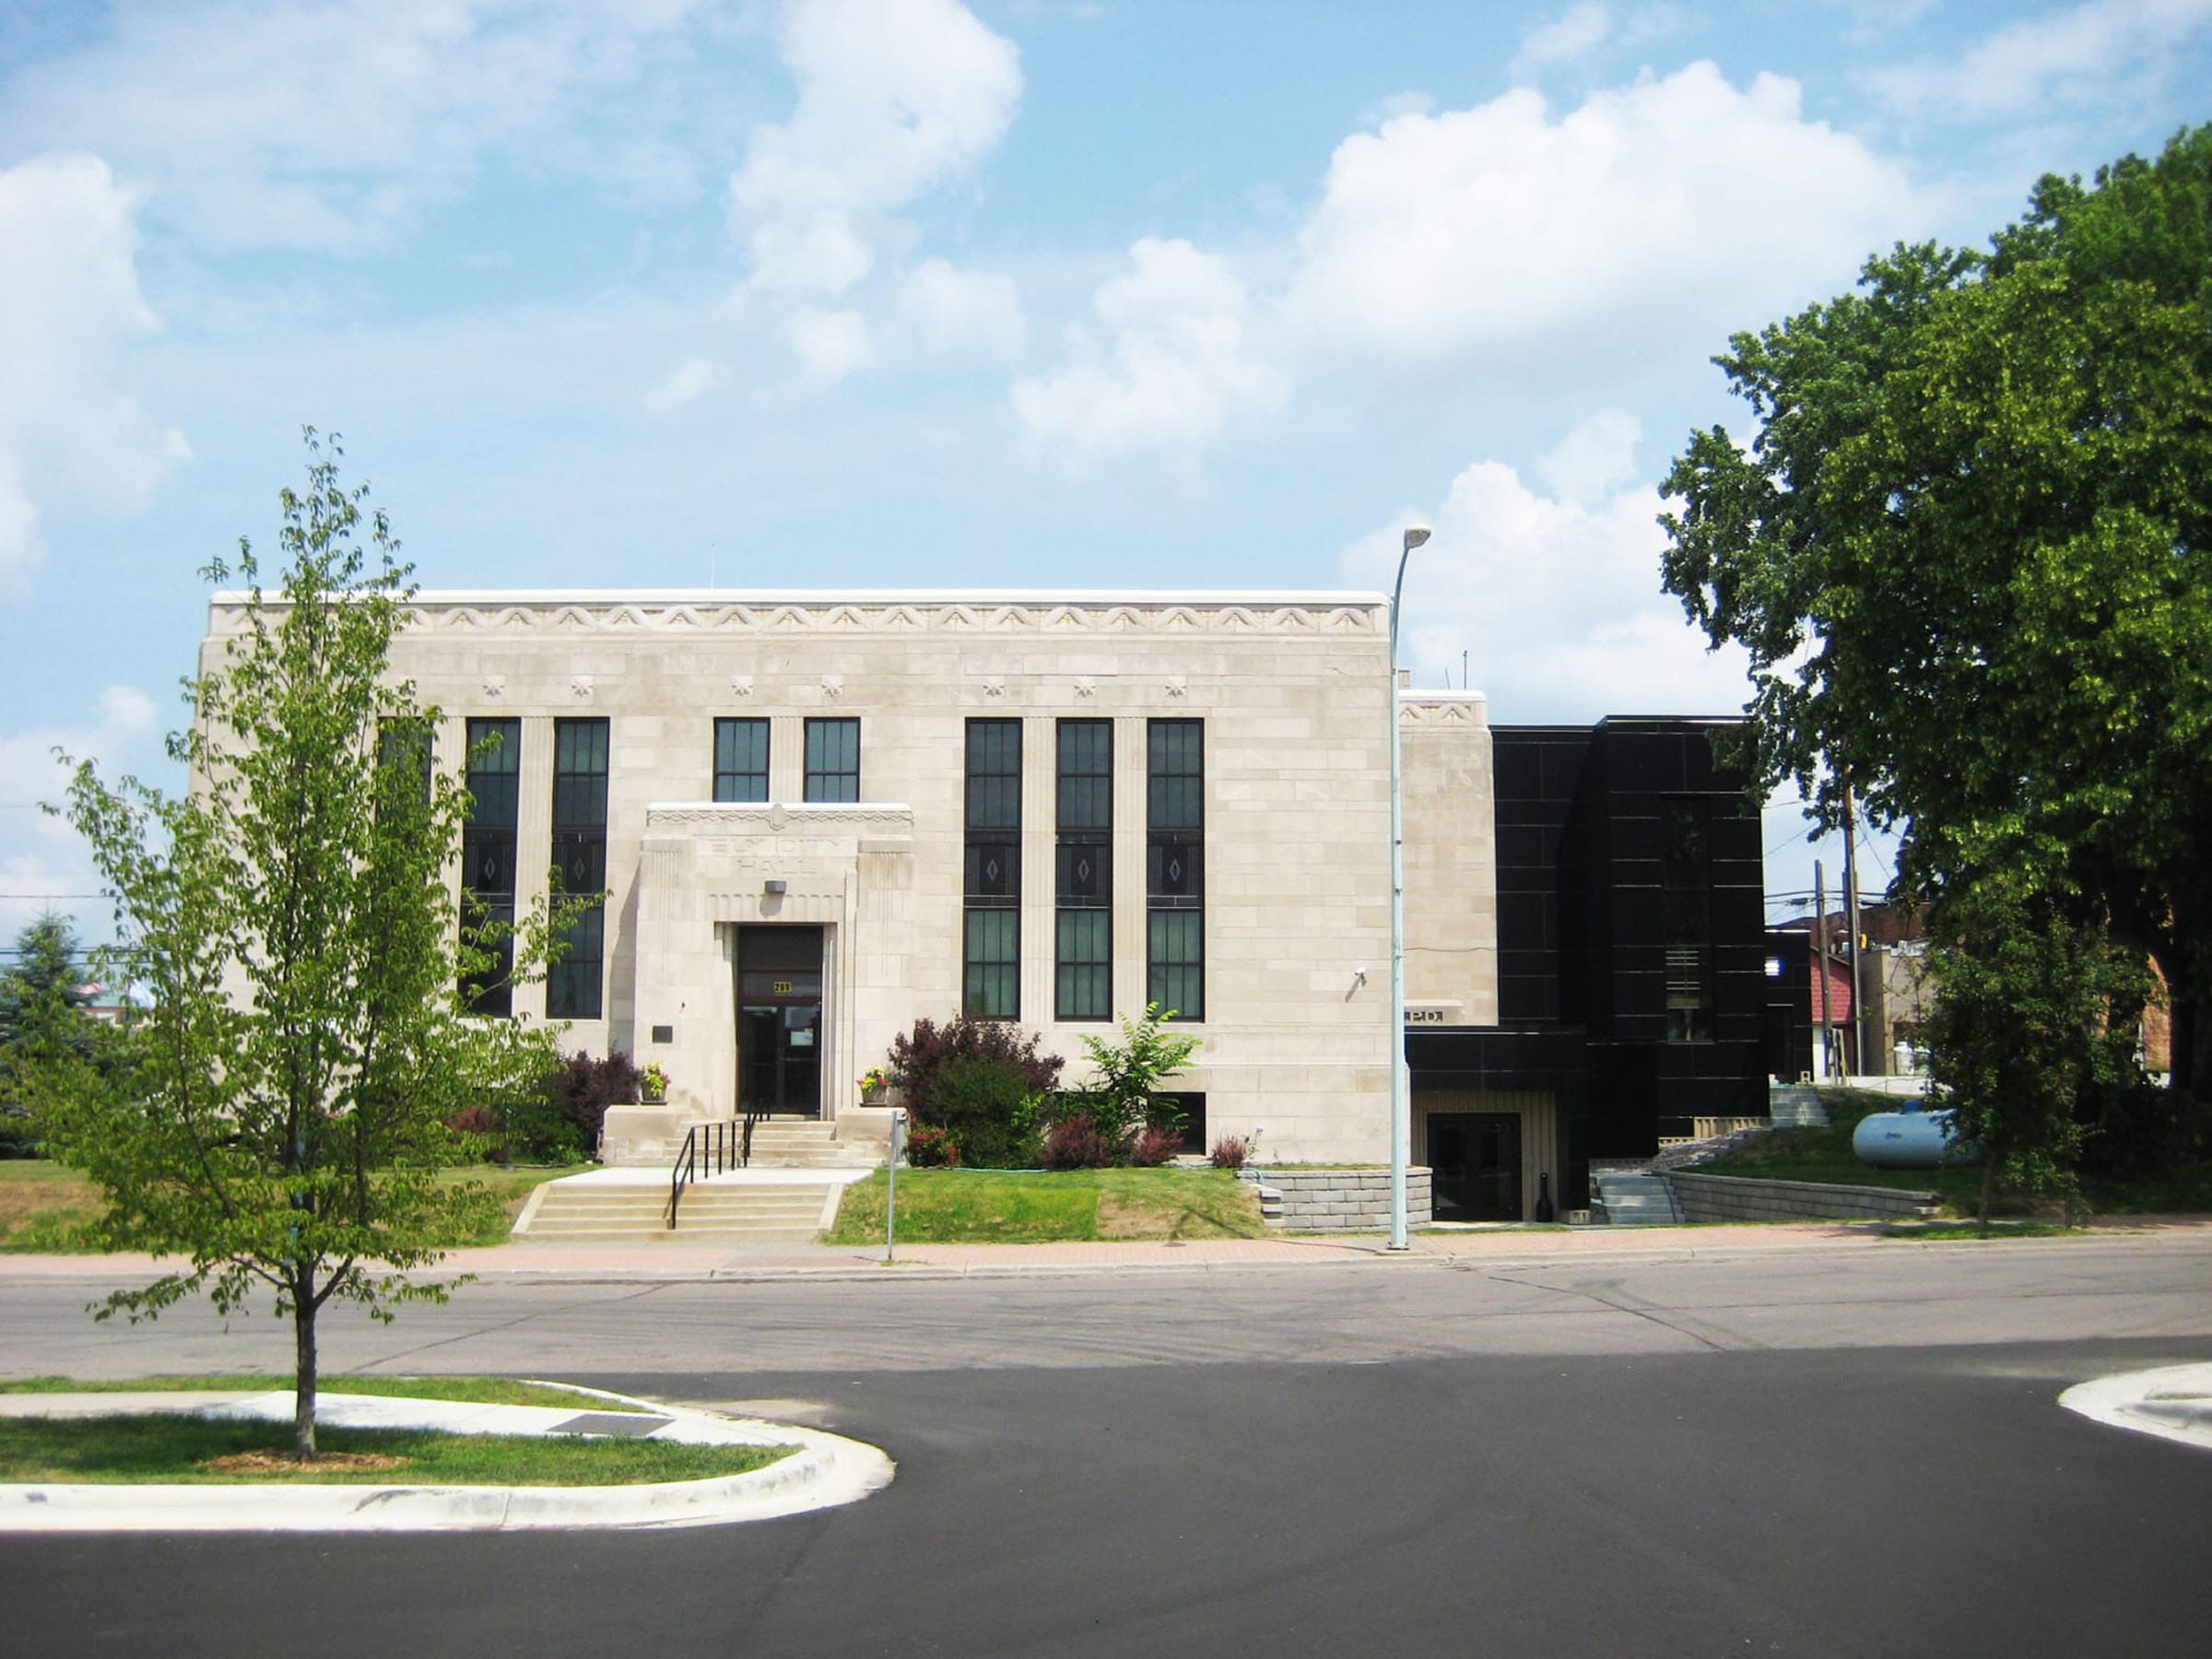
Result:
pixel 1824 1155
pixel 171 1450
pixel 991 1207
pixel 43 1205
pixel 161 1447
pixel 476 1391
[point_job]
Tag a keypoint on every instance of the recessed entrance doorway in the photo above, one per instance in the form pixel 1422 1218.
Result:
pixel 1475 1164
pixel 780 1021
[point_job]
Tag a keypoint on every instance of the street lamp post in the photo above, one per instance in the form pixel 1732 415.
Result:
pixel 1401 1098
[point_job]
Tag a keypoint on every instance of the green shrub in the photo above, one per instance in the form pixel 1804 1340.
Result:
pixel 920 1056
pixel 986 1107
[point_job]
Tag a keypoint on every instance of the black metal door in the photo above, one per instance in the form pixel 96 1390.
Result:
pixel 1475 1166
pixel 780 1021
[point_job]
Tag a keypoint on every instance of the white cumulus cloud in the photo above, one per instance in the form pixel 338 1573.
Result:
pixel 691 380
pixel 70 304
pixel 950 310
pixel 897 98
pixel 42 863
pixel 1176 361
pixel 1672 203
pixel 829 344
pixel 1556 603
pixel 2087 56
pixel 1577 31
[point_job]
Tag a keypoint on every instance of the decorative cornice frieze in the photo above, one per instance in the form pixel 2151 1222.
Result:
pixel 696 616
pixel 1445 709
pixel 775 817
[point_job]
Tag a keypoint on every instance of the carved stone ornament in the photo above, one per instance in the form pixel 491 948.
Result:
pixel 1177 685
pixel 741 685
pixel 495 685
pixel 994 685
pixel 833 686
pixel 580 688
pixel 1086 686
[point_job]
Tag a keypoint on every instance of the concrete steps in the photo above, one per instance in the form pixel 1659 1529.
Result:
pixel 807 1143
pixel 582 1212
pixel 1633 1198
pixel 1793 1106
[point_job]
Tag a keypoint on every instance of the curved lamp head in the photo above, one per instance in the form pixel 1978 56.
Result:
pixel 1417 536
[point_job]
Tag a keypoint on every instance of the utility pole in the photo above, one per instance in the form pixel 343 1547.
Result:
pixel 1851 919
pixel 1821 960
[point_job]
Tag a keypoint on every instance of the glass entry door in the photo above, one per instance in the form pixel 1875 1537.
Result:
pixel 780 1021
pixel 1475 1165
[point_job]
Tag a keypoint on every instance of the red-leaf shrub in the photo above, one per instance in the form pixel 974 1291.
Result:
pixel 1231 1152
pixel 919 1056
pixel 1155 1145
pixel 481 1124
pixel 1075 1144
pixel 929 1148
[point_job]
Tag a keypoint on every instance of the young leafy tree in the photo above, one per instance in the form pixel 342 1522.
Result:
pixel 44 994
pixel 2032 1018
pixel 1968 549
pixel 277 1112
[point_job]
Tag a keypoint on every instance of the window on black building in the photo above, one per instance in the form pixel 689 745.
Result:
pixel 990 949
pixel 1685 915
pixel 1083 881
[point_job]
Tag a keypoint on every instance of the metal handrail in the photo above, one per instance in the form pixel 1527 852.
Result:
pixel 720 1148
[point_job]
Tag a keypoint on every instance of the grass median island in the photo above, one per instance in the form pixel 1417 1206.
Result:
pixel 1019 1206
pixel 168 1448
pixel 45 1205
pixel 473 1391
pixel 164 1448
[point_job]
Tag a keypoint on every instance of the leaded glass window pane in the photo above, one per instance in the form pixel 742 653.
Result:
pixel 832 760
pixel 741 760
pixel 992 970
pixel 1175 964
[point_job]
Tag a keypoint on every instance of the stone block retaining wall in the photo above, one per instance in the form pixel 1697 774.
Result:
pixel 1739 1198
pixel 1341 1200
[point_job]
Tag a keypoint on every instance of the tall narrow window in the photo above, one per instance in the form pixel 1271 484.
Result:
pixel 573 984
pixel 1083 882
pixel 1175 866
pixel 741 760
pixel 990 950
pixel 1685 915
pixel 495 753
pixel 404 741
pixel 833 760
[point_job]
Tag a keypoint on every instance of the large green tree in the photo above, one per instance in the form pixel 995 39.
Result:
pixel 44 993
pixel 1966 546
pixel 277 1114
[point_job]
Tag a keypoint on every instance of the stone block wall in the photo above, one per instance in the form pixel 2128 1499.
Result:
pixel 1737 1198
pixel 1341 1200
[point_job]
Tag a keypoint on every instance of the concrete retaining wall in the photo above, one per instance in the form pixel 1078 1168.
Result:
pixel 1738 1199
pixel 1341 1200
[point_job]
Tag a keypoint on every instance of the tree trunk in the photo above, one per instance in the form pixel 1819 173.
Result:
pixel 1989 1187
pixel 303 1348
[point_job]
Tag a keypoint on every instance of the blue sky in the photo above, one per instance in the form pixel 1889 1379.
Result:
pixel 1141 293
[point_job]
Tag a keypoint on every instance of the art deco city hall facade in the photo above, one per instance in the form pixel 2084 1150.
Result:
pixel 820 817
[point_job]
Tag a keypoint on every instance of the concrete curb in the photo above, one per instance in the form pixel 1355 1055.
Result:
pixel 827 1470
pixel 2173 1402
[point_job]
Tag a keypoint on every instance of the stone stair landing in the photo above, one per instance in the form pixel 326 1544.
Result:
pixel 630 1207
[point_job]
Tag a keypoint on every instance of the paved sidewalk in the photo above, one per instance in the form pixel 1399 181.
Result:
pixel 824 1470
pixel 674 1260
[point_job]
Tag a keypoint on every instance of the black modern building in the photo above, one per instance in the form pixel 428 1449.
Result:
pixel 1633 966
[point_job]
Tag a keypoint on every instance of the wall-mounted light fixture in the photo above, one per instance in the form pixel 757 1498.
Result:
pixel 774 889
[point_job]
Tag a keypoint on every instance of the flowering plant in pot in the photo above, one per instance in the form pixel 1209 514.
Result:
pixel 653 1084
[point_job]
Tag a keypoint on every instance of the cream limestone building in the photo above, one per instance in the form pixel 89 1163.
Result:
pixel 818 817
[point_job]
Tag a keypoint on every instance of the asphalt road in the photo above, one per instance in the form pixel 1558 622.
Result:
pixel 1854 1453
